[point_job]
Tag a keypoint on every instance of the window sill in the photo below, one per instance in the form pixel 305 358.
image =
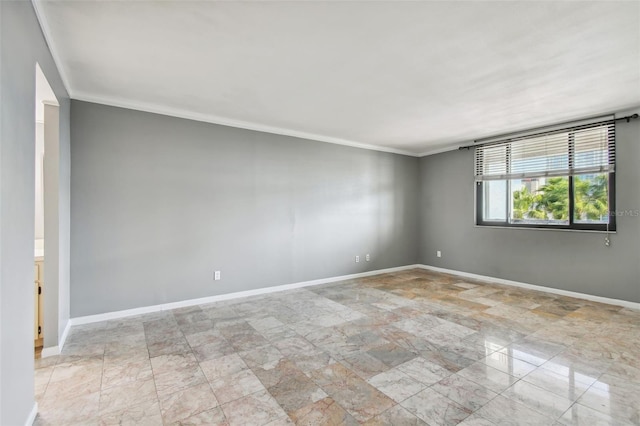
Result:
pixel 524 228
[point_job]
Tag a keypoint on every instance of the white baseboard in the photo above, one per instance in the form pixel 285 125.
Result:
pixel 55 350
pixel 65 333
pixel 32 415
pixel 201 301
pixel 50 351
pixel 617 302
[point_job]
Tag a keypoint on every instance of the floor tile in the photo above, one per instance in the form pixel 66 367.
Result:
pixel 538 399
pixel 323 412
pixel 265 356
pixel 176 372
pixel 187 402
pixel 396 384
pixel 533 351
pixel 465 392
pixel 346 353
pixel 476 420
pixel 236 385
pixel 80 409
pixel 503 410
pixel 127 395
pixel 145 414
pixel 396 416
pixel 122 372
pixel 391 355
pixel 359 398
pixel 255 409
pixel 213 417
pixel 488 377
pixel 561 385
pixel 424 371
pixel 223 366
pixel 364 365
pixel 613 396
pixel 296 393
pixel 579 415
pixel 435 409
pixel 512 366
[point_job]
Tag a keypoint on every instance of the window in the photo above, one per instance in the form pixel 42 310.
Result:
pixel 561 179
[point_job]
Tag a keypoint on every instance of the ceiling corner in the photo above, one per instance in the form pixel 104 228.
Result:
pixel 44 26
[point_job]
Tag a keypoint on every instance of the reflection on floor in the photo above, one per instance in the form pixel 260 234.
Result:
pixel 414 347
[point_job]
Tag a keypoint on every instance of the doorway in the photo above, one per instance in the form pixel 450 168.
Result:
pixel 46 146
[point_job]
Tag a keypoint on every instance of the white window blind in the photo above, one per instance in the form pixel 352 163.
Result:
pixel 577 150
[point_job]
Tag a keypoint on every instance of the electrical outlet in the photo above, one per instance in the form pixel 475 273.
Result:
pixel 367 257
pixel 439 253
pixel 216 275
pixel 357 259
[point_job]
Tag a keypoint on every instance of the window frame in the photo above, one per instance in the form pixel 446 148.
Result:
pixel 572 225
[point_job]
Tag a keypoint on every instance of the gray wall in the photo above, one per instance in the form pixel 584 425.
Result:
pixel 574 261
pixel 159 203
pixel 21 45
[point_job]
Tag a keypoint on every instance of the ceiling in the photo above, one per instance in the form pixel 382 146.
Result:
pixel 409 77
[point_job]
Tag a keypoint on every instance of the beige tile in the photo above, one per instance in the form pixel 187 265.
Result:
pixel 41 380
pixel 434 408
pixel 123 371
pixel 564 386
pixel 396 416
pixel 255 409
pixel 78 368
pixel 364 365
pixel 127 395
pixel 176 372
pixel 358 397
pixel 323 412
pixel 488 377
pixel 315 348
pixel 465 392
pixel 62 411
pixel 223 366
pixel 236 385
pixel 144 414
pixel 296 393
pixel 537 398
pixel 503 410
pixel 213 417
pixel 512 366
pixel 424 371
pixel 579 415
pixel 187 402
pixel 396 385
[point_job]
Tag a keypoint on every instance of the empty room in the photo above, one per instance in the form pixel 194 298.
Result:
pixel 319 212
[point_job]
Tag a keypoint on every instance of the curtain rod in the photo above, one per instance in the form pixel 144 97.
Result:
pixel 628 118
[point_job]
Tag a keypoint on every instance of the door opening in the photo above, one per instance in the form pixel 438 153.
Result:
pixel 45 99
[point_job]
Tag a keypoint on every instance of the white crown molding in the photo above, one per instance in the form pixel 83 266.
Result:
pixel 32 415
pixel 201 301
pixel 439 150
pixel 46 31
pixel 453 147
pixel 600 299
pixel 207 118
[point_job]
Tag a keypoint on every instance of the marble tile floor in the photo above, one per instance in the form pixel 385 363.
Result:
pixel 408 348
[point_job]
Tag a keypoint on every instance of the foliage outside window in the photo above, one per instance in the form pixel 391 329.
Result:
pixel 563 179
